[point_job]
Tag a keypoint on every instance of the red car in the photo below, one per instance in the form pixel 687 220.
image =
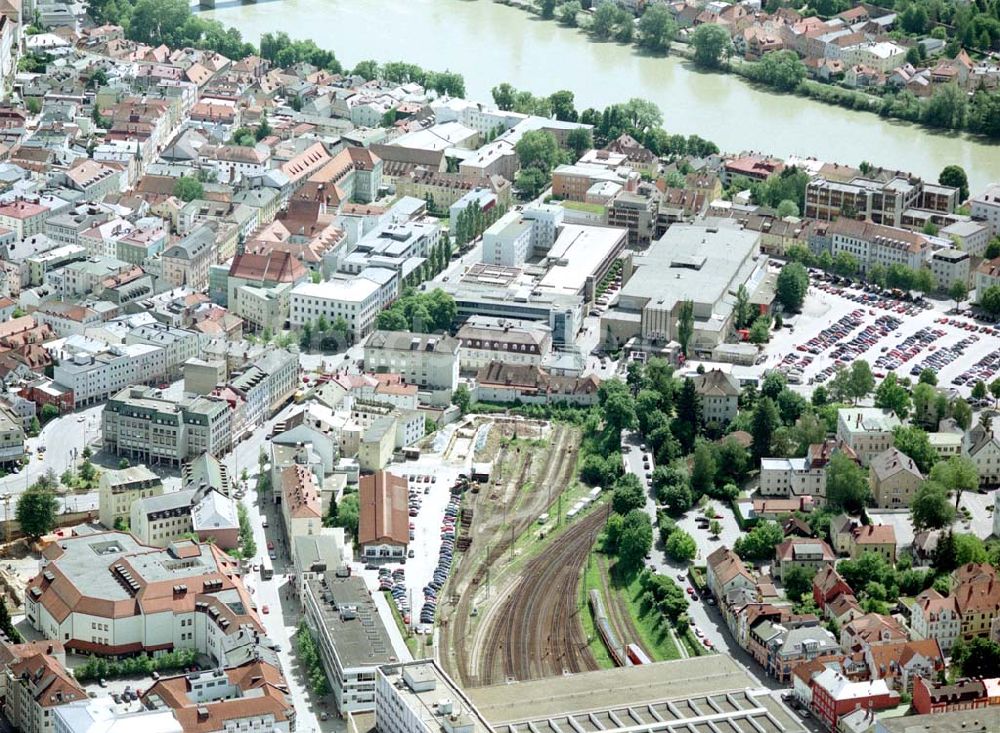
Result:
pixel 690 591
pixel 266 609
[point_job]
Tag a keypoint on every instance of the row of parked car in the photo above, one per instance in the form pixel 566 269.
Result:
pixel 986 370
pixel 866 338
pixel 445 557
pixel 944 356
pixel 909 348
pixel 829 337
pixel 394 581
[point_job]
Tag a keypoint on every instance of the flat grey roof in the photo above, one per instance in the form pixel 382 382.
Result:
pixel 360 640
pixel 609 688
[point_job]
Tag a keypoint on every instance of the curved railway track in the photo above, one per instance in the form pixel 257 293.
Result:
pixel 536 631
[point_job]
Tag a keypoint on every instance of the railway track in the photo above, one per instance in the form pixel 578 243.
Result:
pixel 550 478
pixel 536 631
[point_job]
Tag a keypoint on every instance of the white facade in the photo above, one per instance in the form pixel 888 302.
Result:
pixel 791 477
pixel 356 301
pixel 987 206
pixel 96 377
pixel 508 241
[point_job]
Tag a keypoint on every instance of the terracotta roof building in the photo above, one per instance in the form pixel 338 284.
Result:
pixel 383 529
pixel 105 593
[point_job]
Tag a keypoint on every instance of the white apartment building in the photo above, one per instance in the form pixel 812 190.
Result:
pixel 934 616
pixel 985 206
pixel 103 715
pixel 429 361
pixel 867 430
pixel 94 377
pixel 178 344
pixel 119 489
pixel 876 244
pixel 484 340
pixel 720 395
pixel 792 477
pixel 508 241
pixel 355 300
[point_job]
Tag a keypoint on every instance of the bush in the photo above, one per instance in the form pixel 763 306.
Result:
pixel 99 668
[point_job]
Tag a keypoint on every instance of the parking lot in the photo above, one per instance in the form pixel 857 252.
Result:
pixel 430 480
pixel 839 325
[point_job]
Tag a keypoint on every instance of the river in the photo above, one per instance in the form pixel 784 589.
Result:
pixel 490 43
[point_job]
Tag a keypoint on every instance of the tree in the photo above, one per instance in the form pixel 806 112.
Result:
pixel 760 330
pixel 714 528
pixel 783 70
pixel 787 208
pixel 862 381
pixel 979 657
pixel 462 398
pixel 914 442
pixel 188 188
pixel 846 484
pixel 605 18
pixel 979 390
pixel 930 508
pixel 681 547
pixel 563 107
pixel 36 510
pixel 957 474
pixel 798 582
pixel 793 282
pixel 743 311
pixel 619 412
pixel 347 513
pixel 989 300
pixel 928 376
pixel 628 494
pixel 958 291
pixel 567 12
pixel 711 45
pixel 759 543
pixel 538 149
pixel 656 28
pixel 765 421
pixel 891 395
pixel 995 390
pixel 579 140
pixel 636 539
pixel 547 8
pixel 531 182
pixel 685 325
pixel 947 108
pixel 703 470
pixel 954 176
pixel 689 422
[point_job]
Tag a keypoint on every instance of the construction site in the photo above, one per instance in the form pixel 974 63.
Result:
pixel 512 610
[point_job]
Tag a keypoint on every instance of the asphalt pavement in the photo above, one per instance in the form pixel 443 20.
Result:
pixel 703 615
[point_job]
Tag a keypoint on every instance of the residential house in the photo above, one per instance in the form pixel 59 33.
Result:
pixel 894 479
pixel 876 538
pixel 834 695
pixel 962 694
pixel 811 554
pixel 720 393
pixel 937 617
pixel 725 571
pixel 120 488
pixel 982 447
pixel 867 430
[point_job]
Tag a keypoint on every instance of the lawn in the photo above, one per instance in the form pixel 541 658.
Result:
pixel 412 643
pixel 650 624
pixel 592 580
pixel 583 206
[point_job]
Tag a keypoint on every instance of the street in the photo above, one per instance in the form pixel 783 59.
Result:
pixel 703 616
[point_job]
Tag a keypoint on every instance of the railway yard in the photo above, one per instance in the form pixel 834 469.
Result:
pixel 511 608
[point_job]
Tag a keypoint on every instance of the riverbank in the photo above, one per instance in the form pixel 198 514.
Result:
pixel 490 43
pixel 975 117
